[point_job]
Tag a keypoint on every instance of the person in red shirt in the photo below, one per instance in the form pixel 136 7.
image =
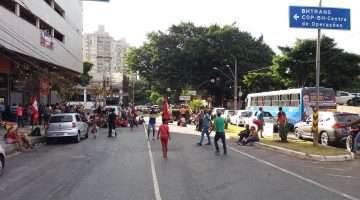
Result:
pixel 164 134
pixel 19 115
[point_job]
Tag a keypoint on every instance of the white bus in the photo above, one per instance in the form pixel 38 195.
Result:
pixel 296 103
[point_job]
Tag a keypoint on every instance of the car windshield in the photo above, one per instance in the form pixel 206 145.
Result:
pixel 231 112
pixel 61 118
pixel 245 114
pixel 346 118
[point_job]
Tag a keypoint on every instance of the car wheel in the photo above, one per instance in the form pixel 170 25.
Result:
pixel 2 164
pixel 77 138
pixel 349 142
pixel 349 103
pixel 48 141
pixel 324 138
pixel 297 133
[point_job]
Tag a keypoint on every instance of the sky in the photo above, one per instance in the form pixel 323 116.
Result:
pixel 133 19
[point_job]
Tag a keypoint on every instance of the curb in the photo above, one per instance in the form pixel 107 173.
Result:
pixel 11 148
pixel 345 157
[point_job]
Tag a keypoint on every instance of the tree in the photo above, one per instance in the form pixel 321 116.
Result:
pixel 196 104
pixel 154 96
pixel 85 78
pixel 296 65
pixel 186 54
pixel 262 81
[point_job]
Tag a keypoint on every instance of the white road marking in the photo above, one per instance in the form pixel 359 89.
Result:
pixel 342 176
pixel 153 171
pixel 347 196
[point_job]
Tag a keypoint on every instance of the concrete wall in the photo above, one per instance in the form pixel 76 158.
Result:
pixel 20 36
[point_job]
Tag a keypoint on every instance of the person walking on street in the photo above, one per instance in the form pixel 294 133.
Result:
pixel 219 126
pixel 205 125
pixel 152 122
pixel 260 118
pixel 20 115
pixel 111 123
pixel 164 135
pixel 282 122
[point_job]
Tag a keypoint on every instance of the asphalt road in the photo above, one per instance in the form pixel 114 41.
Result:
pixel 121 169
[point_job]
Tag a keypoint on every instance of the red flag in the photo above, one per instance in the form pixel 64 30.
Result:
pixel 34 110
pixel 166 111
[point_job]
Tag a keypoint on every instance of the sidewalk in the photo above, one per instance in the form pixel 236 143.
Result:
pixel 11 148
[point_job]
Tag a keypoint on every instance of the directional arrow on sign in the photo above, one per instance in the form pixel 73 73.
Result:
pixel 296 17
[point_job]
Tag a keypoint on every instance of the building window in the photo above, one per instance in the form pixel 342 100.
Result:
pixel 59 36
pixel 45 27
pixel 59 10
pixel 27 16
pixel 48 2
pixel 8 4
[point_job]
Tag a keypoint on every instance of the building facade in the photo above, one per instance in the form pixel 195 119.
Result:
pixel 44 35
pixel 107 55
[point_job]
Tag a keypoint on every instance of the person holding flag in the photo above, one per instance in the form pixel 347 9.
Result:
pixel 166 111
pixel 34 112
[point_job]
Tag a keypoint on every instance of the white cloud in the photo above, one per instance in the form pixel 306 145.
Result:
pixel 132 19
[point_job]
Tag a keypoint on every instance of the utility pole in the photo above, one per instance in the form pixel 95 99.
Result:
pixel 235 86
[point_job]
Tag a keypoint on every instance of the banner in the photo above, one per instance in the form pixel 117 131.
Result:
pixel 46 40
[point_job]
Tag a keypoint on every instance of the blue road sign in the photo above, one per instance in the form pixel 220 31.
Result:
pixel 319 18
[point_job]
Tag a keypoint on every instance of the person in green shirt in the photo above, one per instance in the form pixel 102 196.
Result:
pixel 219 126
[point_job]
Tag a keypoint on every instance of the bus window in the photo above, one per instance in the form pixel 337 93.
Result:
pixel 253 101
pixel 267 101
pixel 275 100
pixel 295 100
pixel 285 100
pixel 260 101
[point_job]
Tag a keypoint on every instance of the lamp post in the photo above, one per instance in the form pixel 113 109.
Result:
pixel 233 78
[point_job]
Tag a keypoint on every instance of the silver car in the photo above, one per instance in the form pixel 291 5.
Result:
pixel 331 127
pixel 2 160
pixel 66 125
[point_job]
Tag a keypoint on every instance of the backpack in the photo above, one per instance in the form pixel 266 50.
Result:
pixel 282 117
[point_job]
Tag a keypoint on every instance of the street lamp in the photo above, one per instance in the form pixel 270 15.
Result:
pixel 233 78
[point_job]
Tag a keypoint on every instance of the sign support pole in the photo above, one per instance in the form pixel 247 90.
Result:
pixel 318 44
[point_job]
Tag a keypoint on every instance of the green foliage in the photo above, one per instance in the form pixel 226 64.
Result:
pixel 85 78
pixel 159 101
pixel 154 96
pixel 195 104
pixel 296 65
pixel 262 81
pixel 186 54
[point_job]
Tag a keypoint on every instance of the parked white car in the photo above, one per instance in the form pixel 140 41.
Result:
pixel 343 97
pixel 240 118
pixel 244 118
pixel 268 118
pixel 214 111
pixel 234 118
pixel 228 114
pixel 117 109
pixel 2 160
pixel 66 125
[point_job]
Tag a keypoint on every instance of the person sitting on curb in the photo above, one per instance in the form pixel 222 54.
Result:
pixel 21 140
pixel 244 134
pixel 253 137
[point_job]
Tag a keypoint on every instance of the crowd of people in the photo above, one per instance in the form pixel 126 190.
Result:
pixel 11 121
pixel 252 133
